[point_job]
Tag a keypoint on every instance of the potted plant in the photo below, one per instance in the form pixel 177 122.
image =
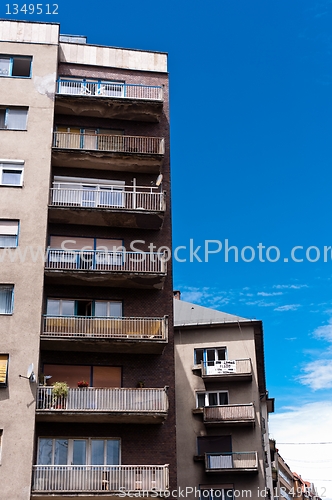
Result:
pixel 141 384
pixel 60 393
pixel 82 383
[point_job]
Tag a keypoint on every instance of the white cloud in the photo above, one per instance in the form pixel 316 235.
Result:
pixel 324 332
pixel 261 303
pixel 293 287
pixel 318 374
pixel 271 294
pixel 288 307
pixel 303 424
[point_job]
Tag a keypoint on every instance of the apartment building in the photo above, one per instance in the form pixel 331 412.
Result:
pixel 222 404
pixel 87 403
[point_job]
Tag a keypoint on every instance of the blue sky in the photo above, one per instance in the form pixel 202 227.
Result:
pixel 251 128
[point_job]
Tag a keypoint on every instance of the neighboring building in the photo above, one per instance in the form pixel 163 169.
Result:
pixel 288 484
pixel 222 404
pixel 84 133
pixel 304 489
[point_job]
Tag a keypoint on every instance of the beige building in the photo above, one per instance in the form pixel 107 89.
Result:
pixel 84 192
pixel 222 404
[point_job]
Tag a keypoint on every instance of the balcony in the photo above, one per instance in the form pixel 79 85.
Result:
pixel 245 461
pixel 123 153
pixel 229 414
pixel 98 405
pixel 230 370
pixel 134 207
pixel 64 481
pixel 105 99
pixel 101 268
pixel 85 333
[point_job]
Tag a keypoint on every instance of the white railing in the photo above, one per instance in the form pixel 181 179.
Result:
pixel 129 198
pixel 227 367
pixel 100 478
pixel 98 260
pixel 235 460
pixel 228 413
pixel 109 89
pixel 67 327
pixel 109 143
pixel 115 400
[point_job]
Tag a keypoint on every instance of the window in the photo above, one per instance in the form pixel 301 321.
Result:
pixel 19 66
pixel 216 494
pixel 14 118
pixel 11 172
pixel 211 398
pixel 6 299
pixel 64 451
pixel 209 355
pixel 70 307
pixel 8 233
pixel 4 369
pixel 96 376
pixel 214 444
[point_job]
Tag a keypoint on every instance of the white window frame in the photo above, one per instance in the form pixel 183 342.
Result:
pixel 11 63
pixel 88 448
pixel 14 165
pixel 11 287
pixel 206 394
pixel 3 233
pixel 205 349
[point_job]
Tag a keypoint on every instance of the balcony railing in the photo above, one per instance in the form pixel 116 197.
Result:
pixel 97 260
pixel 109 143
pixel 234 461
pixel 227 367
pixel 109 89
pixel 75 327
pixel 229 413
pixel 115 400
pixel 100 478
pixel 139 198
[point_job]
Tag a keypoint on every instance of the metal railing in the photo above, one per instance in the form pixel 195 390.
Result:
pixel 67 327
pixel 235 460
pixel 227 367
pixel 241 412
pixel 109 89
pixel 128 198
pixel 115 400
pixel 98 260
pixel 100 478
pixel 109 143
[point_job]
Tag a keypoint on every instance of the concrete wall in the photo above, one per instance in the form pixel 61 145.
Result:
pixel 239 344
pixel 19 333
pixel 113 57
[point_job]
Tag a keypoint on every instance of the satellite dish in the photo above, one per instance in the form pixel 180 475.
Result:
pixel 30 371
pixel 159 179
pixel 30 374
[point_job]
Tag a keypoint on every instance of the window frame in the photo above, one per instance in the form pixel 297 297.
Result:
pixel 5 383
pixel 4 235
pixel 205 361
pixel 206 394
pixel 9 286
pixel 6 110
pixel 70 449
pixel 93 302
pixel 14 165
pixel 11 64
